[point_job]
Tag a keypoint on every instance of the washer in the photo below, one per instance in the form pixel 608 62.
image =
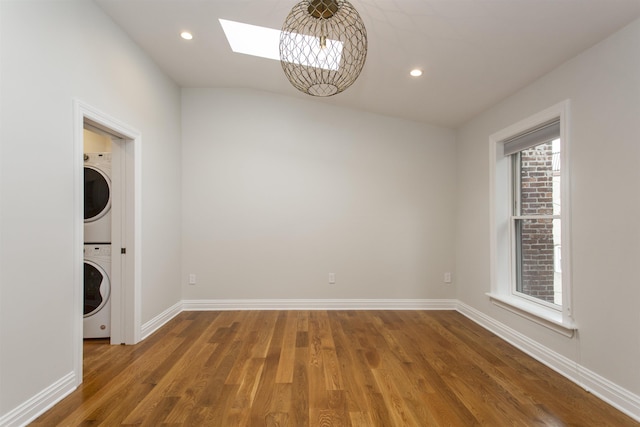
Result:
pixel 97 198
pixel 97 291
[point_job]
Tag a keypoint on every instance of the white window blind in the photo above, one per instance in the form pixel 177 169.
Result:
pixel 536 136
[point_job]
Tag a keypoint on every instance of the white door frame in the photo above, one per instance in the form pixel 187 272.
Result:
pixel 126 233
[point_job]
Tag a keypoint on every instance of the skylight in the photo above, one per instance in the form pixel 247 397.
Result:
pixel 264 42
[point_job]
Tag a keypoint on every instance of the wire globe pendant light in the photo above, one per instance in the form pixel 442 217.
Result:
pixel 323 46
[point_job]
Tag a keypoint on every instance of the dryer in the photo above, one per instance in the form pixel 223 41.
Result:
pixel 97 198
pixel 97 291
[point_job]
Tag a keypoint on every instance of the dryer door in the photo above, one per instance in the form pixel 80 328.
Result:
pixel 96 288
pixel 97 194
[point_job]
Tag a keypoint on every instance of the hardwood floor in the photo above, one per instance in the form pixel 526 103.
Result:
pixel 323 368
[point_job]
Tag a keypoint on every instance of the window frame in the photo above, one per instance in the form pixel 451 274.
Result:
pixel 502 250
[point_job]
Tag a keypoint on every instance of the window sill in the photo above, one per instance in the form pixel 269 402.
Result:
pixel 544 316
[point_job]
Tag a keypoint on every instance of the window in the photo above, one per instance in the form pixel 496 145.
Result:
pixel 530 230
pixel 535 219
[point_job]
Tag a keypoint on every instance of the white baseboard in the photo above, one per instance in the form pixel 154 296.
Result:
pixel 555 361
pixel 319 304
pixel 613 394
pixel 161 319
pixel 618 397
pixel 41 402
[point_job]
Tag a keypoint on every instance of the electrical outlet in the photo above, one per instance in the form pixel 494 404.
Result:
pixel 192 279
pixel 447 277
pixel 332 278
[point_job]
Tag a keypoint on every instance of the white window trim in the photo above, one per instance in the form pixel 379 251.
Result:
pixel 502 294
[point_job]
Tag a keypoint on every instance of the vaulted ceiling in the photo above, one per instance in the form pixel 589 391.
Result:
pixel 474 53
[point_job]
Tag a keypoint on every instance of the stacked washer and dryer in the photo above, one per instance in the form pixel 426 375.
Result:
pixel 97 245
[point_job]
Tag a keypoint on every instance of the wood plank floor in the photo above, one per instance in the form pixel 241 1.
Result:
pixel 323 368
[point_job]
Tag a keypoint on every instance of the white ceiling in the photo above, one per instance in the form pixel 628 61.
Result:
pixel 474 52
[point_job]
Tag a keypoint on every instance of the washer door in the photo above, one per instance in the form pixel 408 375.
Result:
pixel 96 288
pixel 97 194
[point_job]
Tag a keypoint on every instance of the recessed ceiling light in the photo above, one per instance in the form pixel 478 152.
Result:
pixel 415 72
pixel 186 35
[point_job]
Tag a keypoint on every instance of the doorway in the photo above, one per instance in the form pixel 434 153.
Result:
pixel 125 226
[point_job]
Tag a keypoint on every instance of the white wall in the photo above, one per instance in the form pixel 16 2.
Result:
pixel 603 85
pixel 278 192
pixel 53 52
